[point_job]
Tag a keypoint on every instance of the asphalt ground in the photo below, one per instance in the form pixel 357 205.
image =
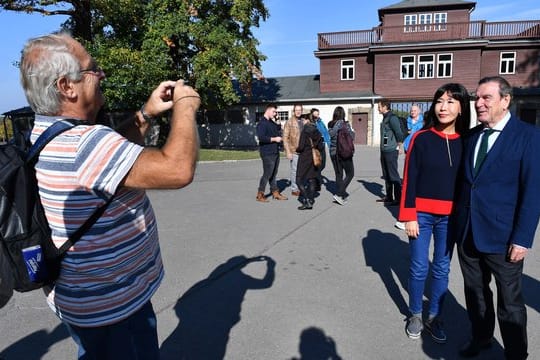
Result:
pixel 264 281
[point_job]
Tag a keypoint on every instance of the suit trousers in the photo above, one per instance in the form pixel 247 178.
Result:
pixel 392 180
pixel 478 269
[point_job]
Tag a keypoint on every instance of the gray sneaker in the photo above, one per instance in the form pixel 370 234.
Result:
pixel 339 200
pixel 435 328
pixel 414 327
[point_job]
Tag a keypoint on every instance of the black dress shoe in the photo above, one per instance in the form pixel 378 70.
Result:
pixel 473 348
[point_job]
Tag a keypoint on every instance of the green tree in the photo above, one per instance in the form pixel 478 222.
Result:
pixel 140 43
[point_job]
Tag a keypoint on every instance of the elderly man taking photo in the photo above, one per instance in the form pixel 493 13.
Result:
pixel 108 277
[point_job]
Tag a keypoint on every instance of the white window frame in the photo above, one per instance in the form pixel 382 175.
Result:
pixel 424 22
pixel 426 69
pixel 409 22
pixel 347 69
pixel 283 115
pixel 410 67
pixel 446 64
pixel 507 62
pixel 440 20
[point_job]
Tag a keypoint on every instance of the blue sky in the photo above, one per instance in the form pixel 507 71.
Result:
pixel 288 38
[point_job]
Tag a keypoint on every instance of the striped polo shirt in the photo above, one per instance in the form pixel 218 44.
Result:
pixel 116 267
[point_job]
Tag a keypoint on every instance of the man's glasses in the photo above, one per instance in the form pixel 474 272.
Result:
pixel 94 70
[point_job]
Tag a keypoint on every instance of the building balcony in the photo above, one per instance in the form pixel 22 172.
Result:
pixel 386 35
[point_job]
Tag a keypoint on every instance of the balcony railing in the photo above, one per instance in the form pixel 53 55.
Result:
pixel 430 32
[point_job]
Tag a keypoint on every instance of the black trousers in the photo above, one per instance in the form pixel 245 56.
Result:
pixel 392 180
pixel 478 269
pixel 341 167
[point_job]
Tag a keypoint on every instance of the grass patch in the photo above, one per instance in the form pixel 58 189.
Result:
pixel 222 155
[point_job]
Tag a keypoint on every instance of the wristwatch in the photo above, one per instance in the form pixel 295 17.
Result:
pixel 149 119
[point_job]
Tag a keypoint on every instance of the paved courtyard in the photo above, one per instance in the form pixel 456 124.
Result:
pixel 253 281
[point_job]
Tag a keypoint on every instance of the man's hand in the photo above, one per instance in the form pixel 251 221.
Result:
pixel 161 98
pixel 185 97
pixel 516 253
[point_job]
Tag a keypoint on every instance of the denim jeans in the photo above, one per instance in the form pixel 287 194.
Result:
pixel 270 168
pixel 419 257
pixel 131 338
pixel 294 165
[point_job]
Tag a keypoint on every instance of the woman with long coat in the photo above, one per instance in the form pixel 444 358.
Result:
pixel 306 172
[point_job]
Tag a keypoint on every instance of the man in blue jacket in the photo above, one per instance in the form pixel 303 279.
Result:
pixel 495 219
pixel 269 135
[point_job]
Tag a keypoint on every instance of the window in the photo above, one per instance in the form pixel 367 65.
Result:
pixel 508 63
pixel 444 63
pixel 440 19
pixel 410 23
pixel 407 67
pixel 426 64
pixel 283 116
pixel 424 20
pixel 347 69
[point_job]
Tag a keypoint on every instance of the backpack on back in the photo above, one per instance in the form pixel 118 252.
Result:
pixel 345 143
pixel 29 259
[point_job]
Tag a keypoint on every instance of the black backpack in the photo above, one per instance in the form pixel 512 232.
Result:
pixel 345 143
pixel 24 230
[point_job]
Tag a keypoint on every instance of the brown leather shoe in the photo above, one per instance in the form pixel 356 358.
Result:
pixel 295 193
pixel 277 196
pixel 261 197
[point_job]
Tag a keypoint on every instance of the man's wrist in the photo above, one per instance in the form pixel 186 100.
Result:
pixel 149 119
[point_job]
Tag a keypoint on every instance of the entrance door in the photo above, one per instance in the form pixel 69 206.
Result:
pixel 360 127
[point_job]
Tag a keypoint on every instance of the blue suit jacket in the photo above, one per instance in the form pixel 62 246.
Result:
pixel 501 204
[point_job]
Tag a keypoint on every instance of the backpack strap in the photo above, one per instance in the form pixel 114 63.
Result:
pixel 84 227
pixel 50 133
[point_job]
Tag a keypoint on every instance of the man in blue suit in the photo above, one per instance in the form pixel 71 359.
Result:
pixel 495 217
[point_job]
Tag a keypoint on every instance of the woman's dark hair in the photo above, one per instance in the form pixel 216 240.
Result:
pixel 339 114
pixel 459 93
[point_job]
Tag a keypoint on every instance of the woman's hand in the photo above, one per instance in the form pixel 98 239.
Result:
pixel 411 229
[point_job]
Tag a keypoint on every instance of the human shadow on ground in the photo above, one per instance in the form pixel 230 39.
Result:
pixel 35 345
pixel 211 308
pixel 531 289
pixel 283 184
pixel 316 345
pixel 373 187
pixel 388 255
pixel 377 190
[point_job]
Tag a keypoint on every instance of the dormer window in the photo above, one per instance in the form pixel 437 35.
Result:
pixel 425 22
pixel 410 23
pixel 347 69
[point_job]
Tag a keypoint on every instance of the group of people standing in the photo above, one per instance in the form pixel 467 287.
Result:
pixel 300 135
pixel 478 189
pixel 488 206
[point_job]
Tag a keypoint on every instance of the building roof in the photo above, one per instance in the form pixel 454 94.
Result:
pixel 292 89
pixel 424 4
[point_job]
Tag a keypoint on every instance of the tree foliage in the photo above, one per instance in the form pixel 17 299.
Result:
pixel 141 43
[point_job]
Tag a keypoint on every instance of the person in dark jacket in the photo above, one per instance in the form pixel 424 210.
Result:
pixel 341 165
pixel 391 146
pixel 269 134
pixel 306 172
pixel 431 169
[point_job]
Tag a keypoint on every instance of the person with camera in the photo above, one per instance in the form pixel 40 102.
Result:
pixel 107 279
